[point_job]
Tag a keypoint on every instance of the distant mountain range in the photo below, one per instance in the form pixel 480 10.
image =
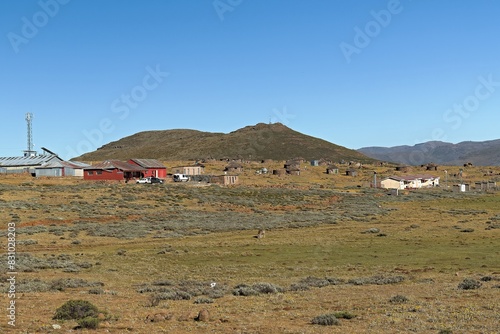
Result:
pixel 485 153
pixel 256 142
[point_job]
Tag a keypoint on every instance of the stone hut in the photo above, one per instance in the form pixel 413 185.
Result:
pixel 234 167
pixel 294 170
pixel 351 172
pixel 431 166
pixel 402 168
pixel 332 169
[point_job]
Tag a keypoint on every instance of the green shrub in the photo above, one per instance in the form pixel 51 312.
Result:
pixel 398 299
pixel 315 282
pixel 89 322
pixel 96 291
pixel 75 310
pixel 299 287
pixel 244 290
pixel 325 320
pixel 344 315
pixel 267 288
pixel 469 284
pixel 378 280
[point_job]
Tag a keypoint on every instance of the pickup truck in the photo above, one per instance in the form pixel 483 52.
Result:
pixel 180 178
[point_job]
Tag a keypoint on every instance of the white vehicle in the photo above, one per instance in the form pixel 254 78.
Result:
pixel 181 178
pixel 144 180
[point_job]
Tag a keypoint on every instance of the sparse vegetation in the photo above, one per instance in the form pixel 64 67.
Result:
pixel 325 320
pixel 178 246
pixel 378 280
pixel 76 310
pixel 469 284
pixel 398 299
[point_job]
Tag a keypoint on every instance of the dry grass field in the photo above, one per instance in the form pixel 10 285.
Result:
pixel 151 257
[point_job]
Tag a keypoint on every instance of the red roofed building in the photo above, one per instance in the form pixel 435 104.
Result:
pixel 152 167
pixel 113 170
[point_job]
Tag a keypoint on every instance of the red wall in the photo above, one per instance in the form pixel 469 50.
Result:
pixel 158 172
pixel 114 174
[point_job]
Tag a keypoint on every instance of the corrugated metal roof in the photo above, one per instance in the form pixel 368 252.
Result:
pixel 148 163
pixel 112 164
pixel 36 160
pixel 76 164
pixel 62 164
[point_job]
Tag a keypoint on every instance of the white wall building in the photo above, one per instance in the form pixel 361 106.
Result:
pixel 410 182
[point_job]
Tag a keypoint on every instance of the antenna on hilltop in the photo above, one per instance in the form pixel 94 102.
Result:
pixel 29 151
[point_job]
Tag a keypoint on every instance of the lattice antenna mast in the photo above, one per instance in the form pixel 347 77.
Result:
pixel 29 120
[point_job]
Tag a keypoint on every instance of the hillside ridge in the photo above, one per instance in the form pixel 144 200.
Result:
pixel 261 141
pixel 480 153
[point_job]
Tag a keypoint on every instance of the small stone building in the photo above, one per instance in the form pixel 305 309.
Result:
pixel 351 172
pixel 293 170
pixel 234 167
pixel 431 166
pixel 225 180
pixel 402 168
pixel 332 169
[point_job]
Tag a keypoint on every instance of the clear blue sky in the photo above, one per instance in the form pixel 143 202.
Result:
pixel 355 73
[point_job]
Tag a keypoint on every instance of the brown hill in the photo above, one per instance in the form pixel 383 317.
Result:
pixel 261 141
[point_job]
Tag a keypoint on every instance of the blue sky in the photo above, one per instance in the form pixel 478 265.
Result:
pixel 355 73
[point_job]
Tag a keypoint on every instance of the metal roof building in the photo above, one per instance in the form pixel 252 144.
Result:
pixel 26 164
pixel 61 168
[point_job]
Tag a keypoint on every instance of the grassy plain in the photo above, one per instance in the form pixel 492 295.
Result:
pixel 332 244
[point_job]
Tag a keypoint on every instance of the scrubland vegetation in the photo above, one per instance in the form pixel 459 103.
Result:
pixel 338 256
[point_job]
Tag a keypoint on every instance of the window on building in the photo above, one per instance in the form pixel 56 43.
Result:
pixel 99 172
pixel 90 172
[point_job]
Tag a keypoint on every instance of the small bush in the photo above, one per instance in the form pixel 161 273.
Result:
pixel 398 299
pixel 335 281
pixel 344 315
pixel 378 280
pixel 88 322
pixel 469 284
pixel 244 290
pixel 75 310
pixel 204 301
pixel 267 288
pixel 325 320
pixel 299 287
pixel 445 331
pixel 315 282
pixel 96 291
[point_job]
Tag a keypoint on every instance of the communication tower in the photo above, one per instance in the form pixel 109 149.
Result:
pixel 29 151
